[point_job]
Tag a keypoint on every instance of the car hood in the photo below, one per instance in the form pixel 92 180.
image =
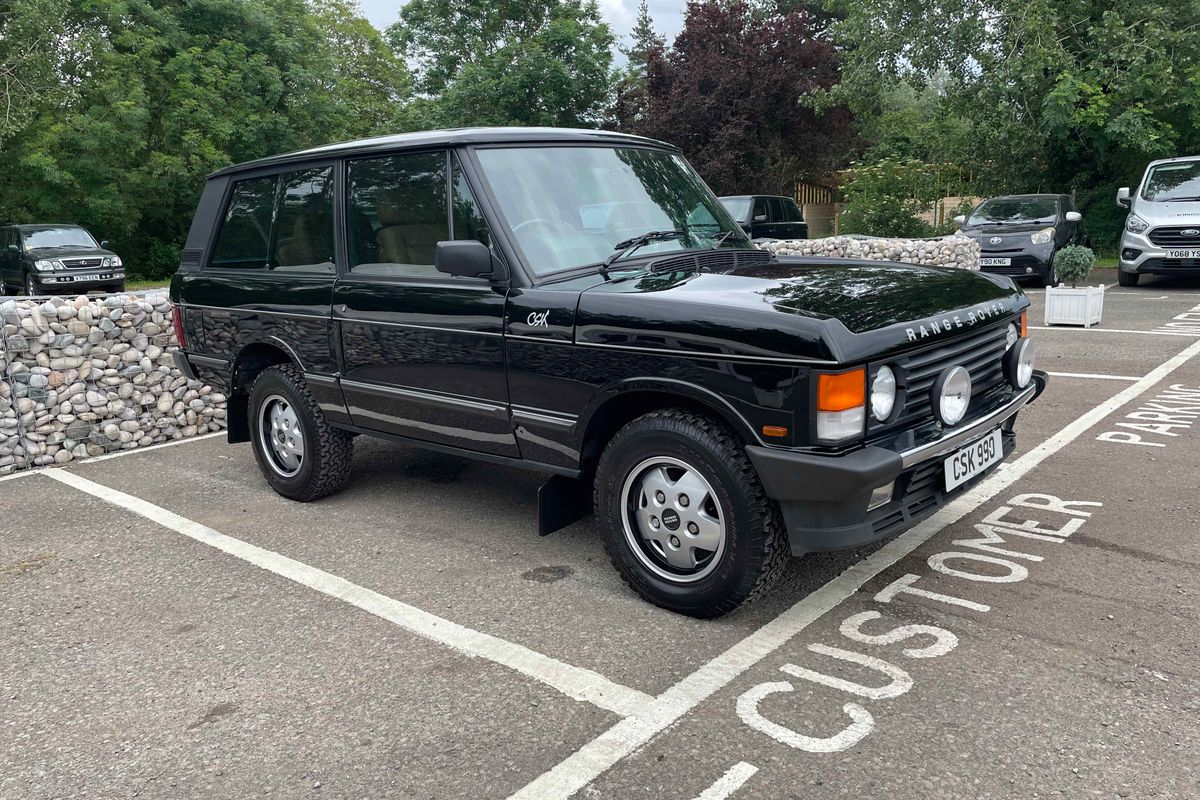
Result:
pixel 52 253
pixel 795 308
pixel 1179 213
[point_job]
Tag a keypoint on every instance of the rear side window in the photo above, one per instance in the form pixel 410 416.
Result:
pixel 304 222
pixel 244 241
pixel 396 213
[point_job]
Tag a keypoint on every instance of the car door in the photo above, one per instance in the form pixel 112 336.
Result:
pixel 422 352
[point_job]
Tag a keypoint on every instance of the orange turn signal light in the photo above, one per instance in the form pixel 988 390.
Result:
pixel 841 391
pixel 1024 324
pixel 774 431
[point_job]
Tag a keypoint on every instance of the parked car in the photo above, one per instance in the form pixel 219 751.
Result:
pixel 767 216
pixel 458 291
pixel 1162 231
pixel 1019 234
pixel 46 259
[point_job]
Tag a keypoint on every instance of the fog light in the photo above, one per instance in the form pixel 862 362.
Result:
pixel 1129 254
pixel 881 496
pixel 952 395
pixel 1029 270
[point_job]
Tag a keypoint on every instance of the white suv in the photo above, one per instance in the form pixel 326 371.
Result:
pixel 1162 231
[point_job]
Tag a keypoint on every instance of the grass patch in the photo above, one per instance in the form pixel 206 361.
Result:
pixel 142 286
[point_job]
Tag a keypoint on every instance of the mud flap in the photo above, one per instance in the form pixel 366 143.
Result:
pixel 562 502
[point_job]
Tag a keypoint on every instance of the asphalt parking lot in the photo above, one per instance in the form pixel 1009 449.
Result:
pixel 169 627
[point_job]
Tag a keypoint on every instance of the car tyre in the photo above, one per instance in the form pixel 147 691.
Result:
pixel 1051 278
pixel 299 453
pixel 678 453
pixel 30 288
pixel 1128 278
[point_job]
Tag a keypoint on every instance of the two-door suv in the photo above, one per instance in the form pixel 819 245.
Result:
pixel 579 303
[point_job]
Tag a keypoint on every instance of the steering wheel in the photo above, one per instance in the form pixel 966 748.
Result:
pixel 535 221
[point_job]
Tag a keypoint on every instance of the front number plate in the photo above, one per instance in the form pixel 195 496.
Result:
pixel 973 459
pixel 995 262
pixel 1183 254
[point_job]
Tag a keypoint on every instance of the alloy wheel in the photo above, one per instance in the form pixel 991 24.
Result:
pixel 281 436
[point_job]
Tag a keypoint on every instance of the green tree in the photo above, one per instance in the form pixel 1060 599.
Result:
pixel 514 62
pixel 630 83
pixel 155 94
pixel 1060 95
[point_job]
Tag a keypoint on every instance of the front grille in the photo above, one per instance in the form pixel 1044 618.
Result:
pixel 82 263
pixel 1174 236
pixel 980 353
pixel 712 260
pixel 1171 263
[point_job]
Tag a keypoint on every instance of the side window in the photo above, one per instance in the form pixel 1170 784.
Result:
pixel 793 212
pixel 777 210
pixel 396 213
pixel 760 209
pixel 304 222
pixel 244 241
pixel 467 218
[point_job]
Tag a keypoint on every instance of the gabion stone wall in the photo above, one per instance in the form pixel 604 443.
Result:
pixel 950 251
pixel 84 376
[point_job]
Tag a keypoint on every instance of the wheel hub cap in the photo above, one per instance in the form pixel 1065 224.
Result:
pixel 673 521
pixel 281 436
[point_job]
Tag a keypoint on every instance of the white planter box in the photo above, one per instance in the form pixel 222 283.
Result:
pixel 1067 306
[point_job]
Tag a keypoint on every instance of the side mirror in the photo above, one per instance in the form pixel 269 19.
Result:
pixel 12 248
pixel 104 244
pixel 468 258
pixel 1123 197
pixel 1073 216
pixel 760 217
pixel 960 220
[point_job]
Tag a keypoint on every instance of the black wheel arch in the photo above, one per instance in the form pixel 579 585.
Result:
pixel 251 360
pixel 619 404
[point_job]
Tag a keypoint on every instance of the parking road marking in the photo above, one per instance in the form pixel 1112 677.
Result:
pixel 1094 376
pixel 575 682
pixel 622 739
pixel 734 779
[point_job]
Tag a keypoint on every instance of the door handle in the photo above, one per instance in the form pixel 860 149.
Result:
pixel 342 309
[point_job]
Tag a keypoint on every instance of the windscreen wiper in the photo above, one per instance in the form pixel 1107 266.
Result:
pixel 626 247
pixel 720 239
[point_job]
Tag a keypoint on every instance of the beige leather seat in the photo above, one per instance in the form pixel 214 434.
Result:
pixel 311 244
pixel 402 238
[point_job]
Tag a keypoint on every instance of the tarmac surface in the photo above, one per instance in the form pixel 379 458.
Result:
pixel 171 628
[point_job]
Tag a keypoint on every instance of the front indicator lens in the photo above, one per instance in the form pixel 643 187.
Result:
pixel 841 404
pixel 883 393
pixel 881 496
pixel 1044 236
pixel 1018 366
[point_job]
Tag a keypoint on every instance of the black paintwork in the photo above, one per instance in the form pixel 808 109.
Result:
pixel 769 216
pixel 537 372
pixel 1012 240
pixel 17 262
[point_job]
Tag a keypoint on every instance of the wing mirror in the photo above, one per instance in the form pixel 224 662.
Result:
pixel 1123 197
pixel 960 220
pixel 1073 216
pixel 12 248
pixel 469 259
pixel 104 244
pixel 760 217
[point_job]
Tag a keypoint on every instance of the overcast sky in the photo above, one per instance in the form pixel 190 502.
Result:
pixel 667 15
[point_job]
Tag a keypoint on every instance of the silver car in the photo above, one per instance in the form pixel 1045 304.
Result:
pixel 1162 231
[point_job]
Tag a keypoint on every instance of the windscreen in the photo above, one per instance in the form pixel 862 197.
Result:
pixel 1173 182
pixel 570 207
pixel 1006 210
pixel 57 237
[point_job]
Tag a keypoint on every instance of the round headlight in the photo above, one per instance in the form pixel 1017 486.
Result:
pixel 952 395
pixel 883 393
pixel 1011 336
pixel 1019 364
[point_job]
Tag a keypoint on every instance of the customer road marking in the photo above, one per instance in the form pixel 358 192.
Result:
pixel 622 739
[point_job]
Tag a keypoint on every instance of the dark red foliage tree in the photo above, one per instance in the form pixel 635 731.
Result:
pixel 731 92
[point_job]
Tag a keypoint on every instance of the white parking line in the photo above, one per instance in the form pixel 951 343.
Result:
pixel 1094 376
pixel 1080 329
pixel 575 682
pixel 734 779
pixel 622 739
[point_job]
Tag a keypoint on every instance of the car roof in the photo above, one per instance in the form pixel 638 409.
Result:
pixel 1025 196
pixel 41 226
pixel 746 196
pixel 448 138
pixel 1172 160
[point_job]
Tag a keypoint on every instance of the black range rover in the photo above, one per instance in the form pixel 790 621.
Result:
pixel 580 304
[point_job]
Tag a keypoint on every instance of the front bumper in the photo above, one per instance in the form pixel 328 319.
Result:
pixel 825 499
pixel 91 279
pixel 1032 261
pixel 1150 259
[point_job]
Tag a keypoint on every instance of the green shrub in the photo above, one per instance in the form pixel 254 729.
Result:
pixel 1074 263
